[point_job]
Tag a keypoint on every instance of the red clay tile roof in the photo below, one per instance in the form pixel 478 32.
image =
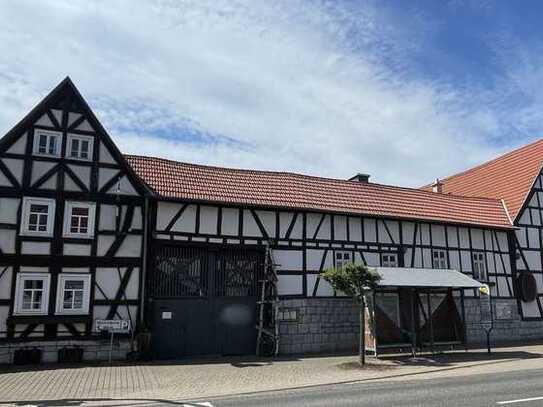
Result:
pixel 171 179
pixel 509 177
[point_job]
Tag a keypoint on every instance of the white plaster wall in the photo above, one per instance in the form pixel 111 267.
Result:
pixel 324 231
pixel 250 228
pixel 165 213
pixel 187 221
pixel 104 175
pixel 452 236
pixel 312 221
pixel 355 229
pixel 5 282
pixel 105 156
pixel 104 243
pixel 83 173
pixel 267 219
pixel 340 228
pixel 19 146
pixel 39 168
pixel 438 235
pixel 477 239
pixel 323 290
pixel 313 259
pixel 289 284
pixel 71 249
pixel 36 248
pixel 284 222
pixel 370 228
pixel 7 241
pixel 208 220
pixel 289 259
pixel 230 221
pixel 131 247
pixel 15 166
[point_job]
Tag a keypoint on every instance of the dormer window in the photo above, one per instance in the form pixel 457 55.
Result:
pixel 79 147
pixel 47 143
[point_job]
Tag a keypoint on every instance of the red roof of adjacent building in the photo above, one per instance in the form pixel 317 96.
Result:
pixel 509 177
pixel 176 180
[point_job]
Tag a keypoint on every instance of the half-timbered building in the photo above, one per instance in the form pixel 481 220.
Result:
pixel 189 252
pixel 516 179
pixel 71 229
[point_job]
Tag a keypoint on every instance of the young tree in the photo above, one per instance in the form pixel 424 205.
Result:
pixel 355 280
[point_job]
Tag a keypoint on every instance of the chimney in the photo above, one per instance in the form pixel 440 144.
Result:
pixel 360 177
pixel 437 186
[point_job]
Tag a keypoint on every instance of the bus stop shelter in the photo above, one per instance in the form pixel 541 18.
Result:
pixel 417 308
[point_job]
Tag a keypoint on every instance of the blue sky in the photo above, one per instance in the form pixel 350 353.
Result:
pixel 405 91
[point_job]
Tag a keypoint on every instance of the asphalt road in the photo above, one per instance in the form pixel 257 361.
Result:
pixel 502 389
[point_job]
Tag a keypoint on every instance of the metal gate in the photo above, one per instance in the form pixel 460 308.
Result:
pixel 204 300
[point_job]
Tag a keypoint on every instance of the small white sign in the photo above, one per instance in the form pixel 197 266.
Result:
pixel 113 325
pixel 167 315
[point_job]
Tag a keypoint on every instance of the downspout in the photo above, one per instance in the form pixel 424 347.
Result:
pixel 144 266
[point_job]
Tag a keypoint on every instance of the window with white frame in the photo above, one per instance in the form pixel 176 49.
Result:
pixel 73 293
pixel 32 293
pixel 79 147
pixel 47 142
pixel 389 260
pixel 439 259
pixel 479 266
pixel 343 258
pixel 79 219
pixel 37 216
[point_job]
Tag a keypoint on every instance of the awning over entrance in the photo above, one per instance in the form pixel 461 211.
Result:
pixel 427 278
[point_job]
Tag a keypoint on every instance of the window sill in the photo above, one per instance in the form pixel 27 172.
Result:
pixel 36 234
pixel 41 319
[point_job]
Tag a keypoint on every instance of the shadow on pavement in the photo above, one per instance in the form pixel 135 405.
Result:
pixel 451 359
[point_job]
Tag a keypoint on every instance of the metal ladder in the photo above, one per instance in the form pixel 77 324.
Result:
pixel 268 306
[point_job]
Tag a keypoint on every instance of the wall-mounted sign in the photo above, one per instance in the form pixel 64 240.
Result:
pixel 166 315
pixel 113 325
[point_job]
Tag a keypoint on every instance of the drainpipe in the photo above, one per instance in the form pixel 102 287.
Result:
pixel 144 255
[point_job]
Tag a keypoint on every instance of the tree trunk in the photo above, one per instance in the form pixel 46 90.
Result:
pixel 362 342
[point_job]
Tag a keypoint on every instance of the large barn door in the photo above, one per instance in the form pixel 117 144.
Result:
pixel 204 301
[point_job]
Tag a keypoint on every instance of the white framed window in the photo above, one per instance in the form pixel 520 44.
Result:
pixel 439 259
pixel 342 258
pixel 32 293
pixel 389 260
pixel 79 219
pixel 47 142
pixel 73 293
pixel 79 147
pixel 479 266
pixel 37 216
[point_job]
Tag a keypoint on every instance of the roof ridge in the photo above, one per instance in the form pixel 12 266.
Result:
pixel 316 177
pixel 486 163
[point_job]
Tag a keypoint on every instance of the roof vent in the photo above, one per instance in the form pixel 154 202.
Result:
pixel 360 178
pixel 437 186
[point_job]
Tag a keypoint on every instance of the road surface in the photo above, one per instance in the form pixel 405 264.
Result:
pixel 518 389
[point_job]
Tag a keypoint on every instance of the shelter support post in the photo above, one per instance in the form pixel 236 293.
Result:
pixel 413 328
pixel 430 321
pixel 464 328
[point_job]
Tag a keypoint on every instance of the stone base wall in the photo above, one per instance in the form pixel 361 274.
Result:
pixel 318 325
pixel 328 325
pixel 95 350
pixel 506 327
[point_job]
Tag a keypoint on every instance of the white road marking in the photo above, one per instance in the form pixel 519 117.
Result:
pixel 206 404
pixel 520 400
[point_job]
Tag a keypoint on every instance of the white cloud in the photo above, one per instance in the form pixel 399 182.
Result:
pixel 314 87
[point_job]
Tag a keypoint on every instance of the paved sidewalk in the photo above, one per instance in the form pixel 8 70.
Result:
pixel 201 379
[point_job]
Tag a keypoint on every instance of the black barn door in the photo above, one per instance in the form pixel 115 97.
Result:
pixel 204 301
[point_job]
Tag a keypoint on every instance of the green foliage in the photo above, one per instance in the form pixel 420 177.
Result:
pixel 352 279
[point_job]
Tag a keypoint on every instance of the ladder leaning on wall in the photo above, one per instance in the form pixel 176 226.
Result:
pixel 267 341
